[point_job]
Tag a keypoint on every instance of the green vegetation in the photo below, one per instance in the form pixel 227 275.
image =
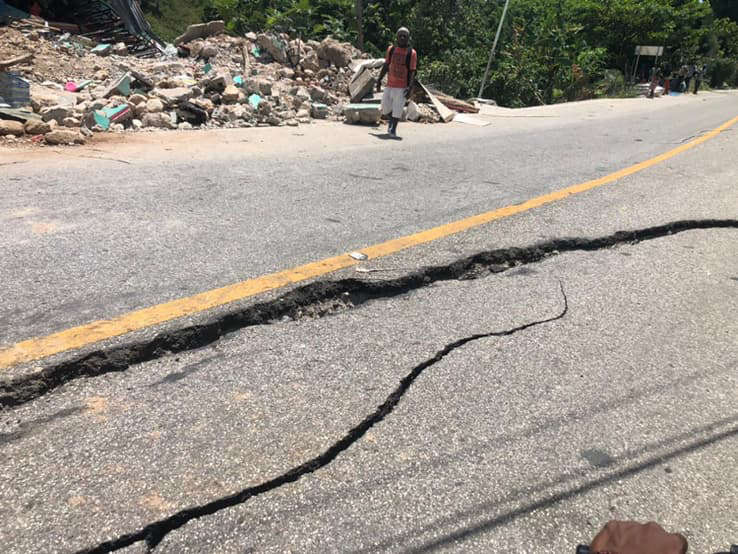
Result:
pixel 550 50
pixel 169 18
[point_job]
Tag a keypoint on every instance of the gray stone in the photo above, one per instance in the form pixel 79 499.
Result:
pixel 56 112
pixel 259 85
pixel 230 95
pixel 318 94
pixel 334 52
pixel 173 95
pixel 11 128
pixel 64 136
pixel 215 28
pixel 35 127
pixel 154 106
pixel 208 51
pixel 137 99
pixel 71 122
pixel 159 120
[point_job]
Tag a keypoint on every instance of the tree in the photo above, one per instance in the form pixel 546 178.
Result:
pixel 725 8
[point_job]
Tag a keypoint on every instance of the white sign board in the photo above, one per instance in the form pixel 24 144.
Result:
pixel 649 51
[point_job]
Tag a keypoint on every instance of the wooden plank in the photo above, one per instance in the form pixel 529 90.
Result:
pixel 456 104
pixel 446 114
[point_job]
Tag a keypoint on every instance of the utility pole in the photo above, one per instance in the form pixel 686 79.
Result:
pixel 359 7
pixel 494 47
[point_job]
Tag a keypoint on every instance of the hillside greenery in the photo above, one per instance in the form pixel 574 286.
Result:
pixel 550 50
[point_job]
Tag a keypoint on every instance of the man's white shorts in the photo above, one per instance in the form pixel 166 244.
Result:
pixel 393 101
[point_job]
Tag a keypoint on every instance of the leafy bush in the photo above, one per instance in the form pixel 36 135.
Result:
pixel 720 71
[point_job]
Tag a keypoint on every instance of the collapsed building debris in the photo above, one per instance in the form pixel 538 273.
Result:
pixel 72 83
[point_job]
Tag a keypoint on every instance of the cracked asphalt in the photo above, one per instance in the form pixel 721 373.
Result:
pixel 625 408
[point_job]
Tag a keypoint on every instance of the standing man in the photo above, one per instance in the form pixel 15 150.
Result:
pixel 699 73
pixel 401 62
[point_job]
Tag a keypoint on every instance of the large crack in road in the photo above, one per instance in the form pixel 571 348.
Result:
pixel 155 532
pixel 319 299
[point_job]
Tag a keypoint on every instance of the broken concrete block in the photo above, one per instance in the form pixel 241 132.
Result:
pixel 142 81
pixel 319 111
pixel 154 105
pixel 120 49
pixel 311 62
pixel 172 96
pixel 215 28
pixel 274 46
pixel 121 86
pixel 230 95
pixel 208 51
pixel 318 94
pixel 362 86
pixel 137 99
pixel 369 114
pixel 102 50
pixel 261 86
pixel 71 122
pixel 64 136
pixel 216 83
pixel 35 127
pixel 56 112
pixel 192 113
pixel 11 128
pixel 193 32
pixel 332 51
pixel 159 120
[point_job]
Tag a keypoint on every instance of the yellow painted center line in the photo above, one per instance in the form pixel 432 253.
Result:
pixel 90 333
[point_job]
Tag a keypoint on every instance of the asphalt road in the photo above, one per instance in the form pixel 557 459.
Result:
pixel 622 406
pixel 86 238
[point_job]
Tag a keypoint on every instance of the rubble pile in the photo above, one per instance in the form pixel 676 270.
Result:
pixel 77 87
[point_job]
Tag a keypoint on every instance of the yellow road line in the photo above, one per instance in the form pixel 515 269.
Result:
pixel 84 335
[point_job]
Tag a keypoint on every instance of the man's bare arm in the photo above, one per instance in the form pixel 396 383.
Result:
pixel 385 69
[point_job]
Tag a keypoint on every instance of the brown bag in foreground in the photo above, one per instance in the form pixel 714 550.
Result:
pixel 630 537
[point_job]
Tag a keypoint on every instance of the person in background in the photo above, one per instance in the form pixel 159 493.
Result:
pixel 690 75
pixel 699 74
pixel 35 9
pixel 401 62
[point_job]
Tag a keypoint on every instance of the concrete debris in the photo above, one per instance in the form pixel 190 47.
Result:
pixel 274 46
pixel 338 54
pixel 201 30
pixel 369 114
pixel 64 136
pixel 12 128
pixel 35 127
pixel 260 79
pixel 362 86
pixel 120 49
pixel 102 50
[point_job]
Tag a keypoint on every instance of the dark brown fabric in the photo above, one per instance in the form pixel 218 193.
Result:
pixel 630 537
